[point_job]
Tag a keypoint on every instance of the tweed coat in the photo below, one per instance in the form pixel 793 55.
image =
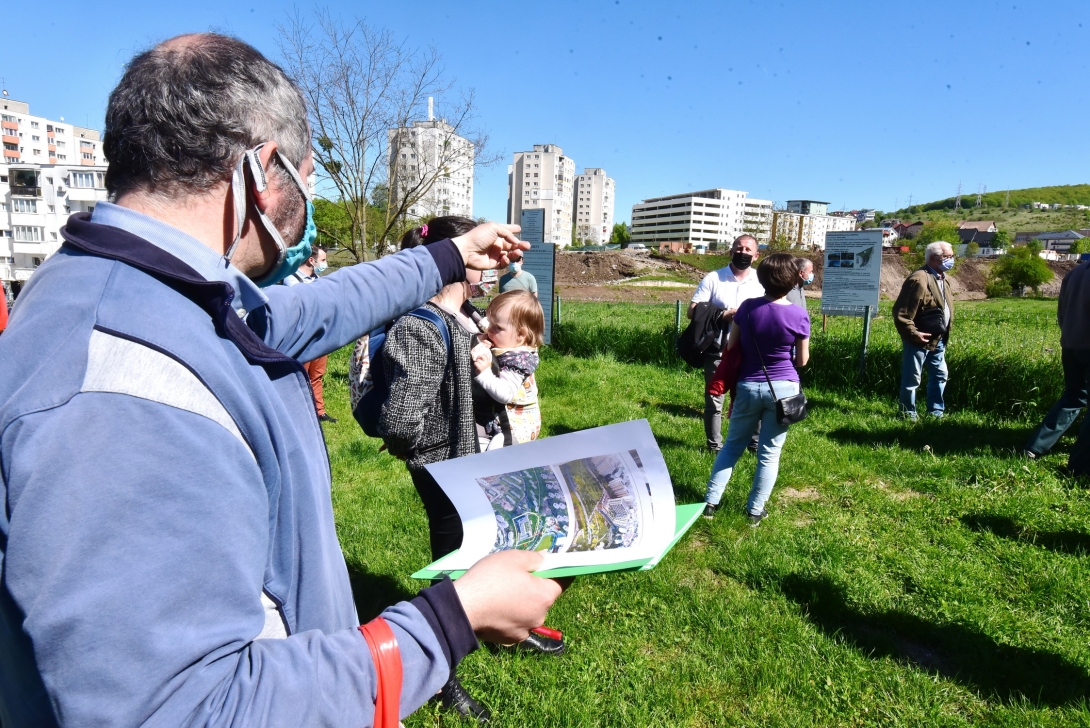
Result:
pixel 428 416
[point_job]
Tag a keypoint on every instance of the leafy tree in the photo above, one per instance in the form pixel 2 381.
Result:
pixel 620 234
pixel 1002 239
pixel 1022 267
pixel 972 249
pixel 932 231
pixel 1082 245
pixel 780 244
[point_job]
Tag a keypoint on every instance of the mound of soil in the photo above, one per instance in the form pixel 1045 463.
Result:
pixel 583 269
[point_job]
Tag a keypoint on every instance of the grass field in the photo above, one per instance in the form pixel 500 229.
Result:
pixel 908 575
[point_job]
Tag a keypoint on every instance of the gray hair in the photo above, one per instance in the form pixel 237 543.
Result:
pixel 186 110
pixel 935 248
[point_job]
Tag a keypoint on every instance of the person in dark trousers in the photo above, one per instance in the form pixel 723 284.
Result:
pixel 199 580
pixel 429 417
pixel 725 289
pixel 1073 316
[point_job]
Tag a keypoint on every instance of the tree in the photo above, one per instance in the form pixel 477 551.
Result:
pixel 1022 267
pixel 1080 246
pixel 1002 239
pixel 972 249
pixel 932 231
pixel 780 244
pixel 362 87
pixel 621 234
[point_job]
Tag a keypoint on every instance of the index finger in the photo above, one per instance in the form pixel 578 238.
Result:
pixel 507 232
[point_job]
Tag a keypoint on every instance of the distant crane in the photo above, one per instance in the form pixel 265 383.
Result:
pixel 957 202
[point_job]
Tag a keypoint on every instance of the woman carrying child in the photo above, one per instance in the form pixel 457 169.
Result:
pixel 509 413
pixel 767 329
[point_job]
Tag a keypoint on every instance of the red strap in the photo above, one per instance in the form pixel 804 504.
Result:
pixel 387 658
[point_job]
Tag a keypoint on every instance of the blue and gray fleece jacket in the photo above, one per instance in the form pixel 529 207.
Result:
pixel 169 555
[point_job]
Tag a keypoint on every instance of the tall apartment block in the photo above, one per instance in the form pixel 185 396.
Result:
pixel 593 206
pixel 713 217
pixel 543 179
pixel 431 156
pixel 49 170
pixel 808 230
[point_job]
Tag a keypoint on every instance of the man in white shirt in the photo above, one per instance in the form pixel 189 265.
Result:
pixel 725 289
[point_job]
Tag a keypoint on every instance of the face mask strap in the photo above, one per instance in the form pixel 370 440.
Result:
pixel 261 182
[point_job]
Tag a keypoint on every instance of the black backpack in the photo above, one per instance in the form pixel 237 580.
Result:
pixel 375 389
pixel 700 336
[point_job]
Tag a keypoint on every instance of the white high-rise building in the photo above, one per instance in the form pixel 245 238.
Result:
pixel 430 162
pixel 593 206
pixel 711 217
pixel 543 179
pixel 49 169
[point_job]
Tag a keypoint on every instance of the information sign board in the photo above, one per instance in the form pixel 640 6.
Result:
pixel 853 272
pixel 540 262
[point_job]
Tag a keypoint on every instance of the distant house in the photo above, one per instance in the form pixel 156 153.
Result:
pixel 1026 235
pixel 984 226
pixel 911 230
pixel 889 237
pixel 1060 242
pixel 982 238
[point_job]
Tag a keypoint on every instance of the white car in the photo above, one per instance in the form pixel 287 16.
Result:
pixel 637 246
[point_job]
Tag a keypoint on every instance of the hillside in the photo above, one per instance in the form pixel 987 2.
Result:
pixel 1012 220
pixel 1062 194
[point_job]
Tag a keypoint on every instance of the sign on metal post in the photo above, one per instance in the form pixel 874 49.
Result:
pixel 852 278
pixel 540 262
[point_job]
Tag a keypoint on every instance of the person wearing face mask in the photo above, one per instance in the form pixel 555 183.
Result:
pixel 806 277
pixel 723 291
pixel 517 279
pixel 923 315
pixel 199 580
pixel 308 273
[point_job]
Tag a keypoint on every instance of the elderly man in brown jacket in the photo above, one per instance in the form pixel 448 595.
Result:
pixel 923 315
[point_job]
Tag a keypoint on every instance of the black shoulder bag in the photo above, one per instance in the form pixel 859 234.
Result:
pixel 789 410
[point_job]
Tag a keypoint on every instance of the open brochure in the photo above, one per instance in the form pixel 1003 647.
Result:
pixel 590 501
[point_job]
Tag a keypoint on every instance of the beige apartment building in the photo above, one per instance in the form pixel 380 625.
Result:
pixel 543 178
pixel 808 231
pixel 49 170
pixel 593 206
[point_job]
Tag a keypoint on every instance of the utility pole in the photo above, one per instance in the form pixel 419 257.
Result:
pixel 978 196
pixel 957 202
pixel 1007 203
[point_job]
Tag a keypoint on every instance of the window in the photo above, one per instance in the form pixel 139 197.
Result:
pixel 37 262
pixel 38 152
pixel 49 127
pixel 83 179
pixel 33 125
pixel 6 117
pixel 60 130
pixel 52 236
pixel 51 208
pixel 20 205
pixel 60 143
pixel 49 180
pixel 61 157
pixel 85 155
pixel 28 233
pixel 35 138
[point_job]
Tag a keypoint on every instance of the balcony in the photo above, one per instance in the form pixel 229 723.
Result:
pixel 26 191
pixel 41 249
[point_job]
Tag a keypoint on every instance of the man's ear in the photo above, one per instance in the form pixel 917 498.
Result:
pixel 264 198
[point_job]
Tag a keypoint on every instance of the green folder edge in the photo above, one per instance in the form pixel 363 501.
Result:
pixel 685 518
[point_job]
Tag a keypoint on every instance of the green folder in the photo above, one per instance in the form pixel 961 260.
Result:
pixel 686 517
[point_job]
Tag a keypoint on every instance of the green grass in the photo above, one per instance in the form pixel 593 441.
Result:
pixel 909 574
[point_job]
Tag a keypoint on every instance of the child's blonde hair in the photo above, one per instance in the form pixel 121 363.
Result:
pixel 524 312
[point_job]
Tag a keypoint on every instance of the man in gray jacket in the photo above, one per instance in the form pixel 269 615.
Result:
pixel 198 579
pixel 1073 315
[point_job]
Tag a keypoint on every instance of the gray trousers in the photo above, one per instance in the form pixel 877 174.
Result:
pixel 713 406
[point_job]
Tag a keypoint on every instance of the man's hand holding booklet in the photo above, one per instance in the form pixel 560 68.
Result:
pixel 591 501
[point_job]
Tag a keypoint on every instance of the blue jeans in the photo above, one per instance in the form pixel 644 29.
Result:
pixel 754 406
pixel 913 361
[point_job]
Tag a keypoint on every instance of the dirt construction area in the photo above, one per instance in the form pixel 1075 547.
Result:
pixel 640 277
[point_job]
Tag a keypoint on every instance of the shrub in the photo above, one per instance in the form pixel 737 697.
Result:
pixel 1022 267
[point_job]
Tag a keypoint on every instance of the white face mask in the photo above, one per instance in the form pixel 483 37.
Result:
pixel 321 267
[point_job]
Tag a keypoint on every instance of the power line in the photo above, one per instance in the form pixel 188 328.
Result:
pixel 957 202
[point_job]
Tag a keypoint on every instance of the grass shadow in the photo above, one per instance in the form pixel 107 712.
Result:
pixel 1074 543
pixel 954 651
pixel 941 436
pixel 374 592
pixel 677 410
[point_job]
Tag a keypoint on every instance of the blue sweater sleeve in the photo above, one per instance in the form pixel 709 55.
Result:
pixel 137 593
pixel 307 321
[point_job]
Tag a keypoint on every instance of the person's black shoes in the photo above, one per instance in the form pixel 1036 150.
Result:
pixel 709 510
pixel 752 446
pixel 540 643
pixel 324 417
pixel 755 519
pixel 454 697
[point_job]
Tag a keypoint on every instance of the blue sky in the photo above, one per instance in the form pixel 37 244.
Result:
pixel 858 103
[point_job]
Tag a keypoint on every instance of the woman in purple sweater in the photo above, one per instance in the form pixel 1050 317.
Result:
pixel 776 328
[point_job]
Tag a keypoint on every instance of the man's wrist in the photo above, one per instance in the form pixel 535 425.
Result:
pixel 443 611
pixel 449 259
